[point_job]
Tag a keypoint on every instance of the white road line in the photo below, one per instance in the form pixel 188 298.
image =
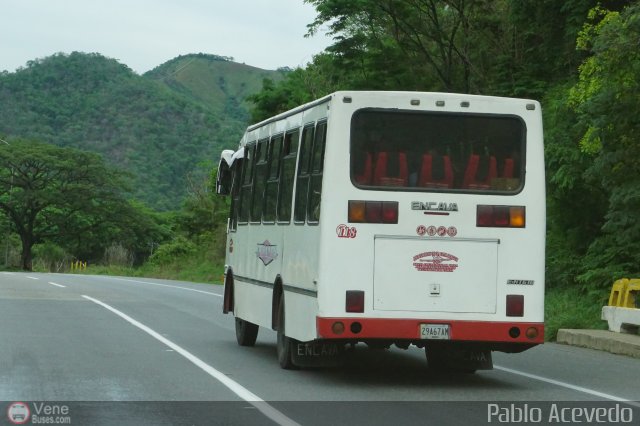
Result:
pixel 32 278
pixel 569 386
pixel 172 286
pixel 234 386
pixel 58 285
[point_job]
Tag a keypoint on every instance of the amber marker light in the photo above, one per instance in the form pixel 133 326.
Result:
pixel 337 327
pixel 516 217
pixel 531 333
pixel 357 211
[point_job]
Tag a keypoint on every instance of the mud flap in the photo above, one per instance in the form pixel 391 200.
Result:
pixel 458 357
pixel 317 353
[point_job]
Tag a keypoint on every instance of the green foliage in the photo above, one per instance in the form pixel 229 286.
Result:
pixel 401 43
pixel 49 257
pixel 177 248
pixel 48 192
pixel 575 205
pixel 118 255
pixel 505 47
pixel 202 211
pixel 200 265
pixel 605 101
pixel 215 82
pixel 573 308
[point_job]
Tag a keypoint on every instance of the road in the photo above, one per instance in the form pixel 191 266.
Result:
pixel 92 342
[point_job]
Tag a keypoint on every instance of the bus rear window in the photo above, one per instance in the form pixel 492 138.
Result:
pixel 408 150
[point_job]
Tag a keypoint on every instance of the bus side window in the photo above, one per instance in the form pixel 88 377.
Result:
pixel 247 180
pixel 302 180
pixel 315 191
pixel 289 154
pixel 259 178
pixel 236 185
pixel 273 178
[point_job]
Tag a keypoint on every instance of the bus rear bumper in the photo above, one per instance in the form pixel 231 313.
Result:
pixel 362 329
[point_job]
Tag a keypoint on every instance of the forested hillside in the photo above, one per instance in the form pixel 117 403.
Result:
pixel 158 127
pixel 216 82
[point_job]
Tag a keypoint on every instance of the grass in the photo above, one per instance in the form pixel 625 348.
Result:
pixel 185 270
pixel 201 266
pixel 180 271
pixel 573 308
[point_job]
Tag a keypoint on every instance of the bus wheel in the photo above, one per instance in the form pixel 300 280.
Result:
pixel 285 344
pixel 246 332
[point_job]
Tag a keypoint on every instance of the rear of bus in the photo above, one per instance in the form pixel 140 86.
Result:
pixel 433 225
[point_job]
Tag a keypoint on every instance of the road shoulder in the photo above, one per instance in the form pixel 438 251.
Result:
pixel 604 340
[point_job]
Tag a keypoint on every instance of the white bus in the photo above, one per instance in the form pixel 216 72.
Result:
pixel 387 218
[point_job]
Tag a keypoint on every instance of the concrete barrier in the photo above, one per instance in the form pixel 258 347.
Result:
pixel 622 314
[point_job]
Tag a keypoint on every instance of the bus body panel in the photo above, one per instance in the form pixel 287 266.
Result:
pixel 260 258
pixel 434 275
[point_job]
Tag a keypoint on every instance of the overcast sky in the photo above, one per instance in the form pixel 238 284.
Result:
pixel 143 34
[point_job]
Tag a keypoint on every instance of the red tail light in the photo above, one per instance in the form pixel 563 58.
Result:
pixel 373 211
pixel 500 216
pixel 515 305
pixel 389 212
pixel 355 301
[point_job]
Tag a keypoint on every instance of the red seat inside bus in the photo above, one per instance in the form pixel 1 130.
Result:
pixel 436 171
pixel 391 169
pixel 363 169
pixel 480 171
pixel 507 169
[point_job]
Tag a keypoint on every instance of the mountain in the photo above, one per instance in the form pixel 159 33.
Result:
pixel 215 81
pixel 159 126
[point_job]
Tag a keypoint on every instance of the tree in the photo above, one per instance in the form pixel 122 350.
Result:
pixel 48 192
pixel 432 44
pixel 605 100
pixel 302 85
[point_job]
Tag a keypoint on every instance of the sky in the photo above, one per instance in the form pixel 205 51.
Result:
pixel 143 34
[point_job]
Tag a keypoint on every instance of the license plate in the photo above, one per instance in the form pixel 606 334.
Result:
pixel 434 331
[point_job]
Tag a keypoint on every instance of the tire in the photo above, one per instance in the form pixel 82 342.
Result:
pixel 285 344
pixel 246 332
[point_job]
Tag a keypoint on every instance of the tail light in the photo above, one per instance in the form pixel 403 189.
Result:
pixel 515 305
pixel 373 211
pixel 355 301
pixel 500 216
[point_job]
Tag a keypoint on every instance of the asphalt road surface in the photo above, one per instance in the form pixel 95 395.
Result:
pixel 81 349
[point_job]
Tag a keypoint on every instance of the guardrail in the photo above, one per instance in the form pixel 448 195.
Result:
pixel 78 266
pixel 623 311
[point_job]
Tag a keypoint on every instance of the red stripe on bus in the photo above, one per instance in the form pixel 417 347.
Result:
pixel 384 328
